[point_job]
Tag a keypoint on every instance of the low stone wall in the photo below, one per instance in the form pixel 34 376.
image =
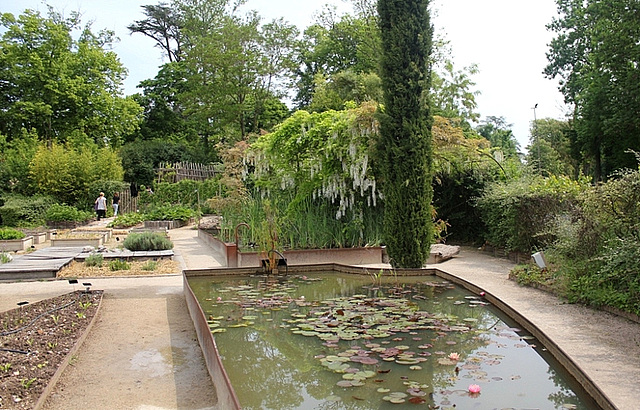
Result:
pixel 12 245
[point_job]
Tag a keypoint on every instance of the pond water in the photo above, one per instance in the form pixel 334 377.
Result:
pixel 337 341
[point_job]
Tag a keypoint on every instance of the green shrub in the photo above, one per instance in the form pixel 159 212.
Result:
pixel 149 266
pixel 23 211
pixel 147 241
pixel 611 279
pixel 95 259
pixel 127 220
pixel 185 192
pixel 170 213
pixel 520 215
pixel 10 234
pixel 119 264
pixel 59 213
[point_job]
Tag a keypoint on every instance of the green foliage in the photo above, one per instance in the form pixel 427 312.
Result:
pixel 316 169
pixel 140 158
pixel 613 279
pixel 68 175
pixel 591 233
pixel 127 220
pixel 95 259
pixel 15 156
pixel 595 55
pixel 149 266
pixel 62 212
pixel 64 88
pixel 186 192
pixel 21 211
pixel 170 213
pixel 147 241
pixel 405 131
pixel 331 46
pixel 10 234
pixel 520 214
pixel 550 150
pixel 234 66
pixel 119 264
pixel 532 275
pixel 345 87
pixel 500 135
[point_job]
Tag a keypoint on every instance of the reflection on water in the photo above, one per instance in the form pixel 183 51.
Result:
pixel 334 341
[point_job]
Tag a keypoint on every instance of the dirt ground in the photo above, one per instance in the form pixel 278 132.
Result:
pixel 130 361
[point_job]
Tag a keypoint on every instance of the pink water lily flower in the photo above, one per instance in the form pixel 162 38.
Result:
pixel 474 389
pixel 454 356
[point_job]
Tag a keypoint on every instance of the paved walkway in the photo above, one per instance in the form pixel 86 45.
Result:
pixel 605 346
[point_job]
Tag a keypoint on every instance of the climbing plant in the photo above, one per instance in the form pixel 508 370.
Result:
pixel 322 161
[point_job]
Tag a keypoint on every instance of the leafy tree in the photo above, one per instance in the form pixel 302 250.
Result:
pixel 235 65
pixel 597 57
pixel 140 158
pixel 15 157
pixel 60 86
pixel 163 24
pixel 164 115
pixel 345 86
pixel 550 150
pixel 405 130
pixel 332 45
pixel 452 94
pixel 500 135
pixel 66 174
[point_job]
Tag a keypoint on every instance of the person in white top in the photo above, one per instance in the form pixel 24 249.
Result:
pixel 101 206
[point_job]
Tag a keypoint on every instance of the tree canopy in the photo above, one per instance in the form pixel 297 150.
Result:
pixel 596 55
pixel 64 88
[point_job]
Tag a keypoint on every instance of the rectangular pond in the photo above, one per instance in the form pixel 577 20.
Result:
pixel 344 341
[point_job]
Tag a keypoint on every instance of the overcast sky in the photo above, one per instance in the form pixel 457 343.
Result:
pixel 507 39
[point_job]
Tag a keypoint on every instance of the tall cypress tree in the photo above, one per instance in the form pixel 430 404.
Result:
pixel 405 131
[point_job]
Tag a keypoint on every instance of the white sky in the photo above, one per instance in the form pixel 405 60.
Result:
pixel 507 39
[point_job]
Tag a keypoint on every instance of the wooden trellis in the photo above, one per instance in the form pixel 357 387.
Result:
pixel 185 170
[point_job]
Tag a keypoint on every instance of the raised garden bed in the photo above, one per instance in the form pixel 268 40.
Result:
pixel 38 340
pixel 74 239
pixel 66 224
pixel 38 236
pixel 12 245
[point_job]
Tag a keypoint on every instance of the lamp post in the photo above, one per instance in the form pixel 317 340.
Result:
pixel 535 136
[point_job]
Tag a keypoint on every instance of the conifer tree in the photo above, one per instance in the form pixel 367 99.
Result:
pixel 405 131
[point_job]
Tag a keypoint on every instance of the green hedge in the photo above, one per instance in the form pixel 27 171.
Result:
pixel 23 211
pixel 60 213
pixel 520 215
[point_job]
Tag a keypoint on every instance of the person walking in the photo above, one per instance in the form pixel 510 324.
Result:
pixel 115 203
pixel 101 206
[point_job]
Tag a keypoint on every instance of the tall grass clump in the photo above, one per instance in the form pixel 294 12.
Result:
pixel 147 241
pixel 95 259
